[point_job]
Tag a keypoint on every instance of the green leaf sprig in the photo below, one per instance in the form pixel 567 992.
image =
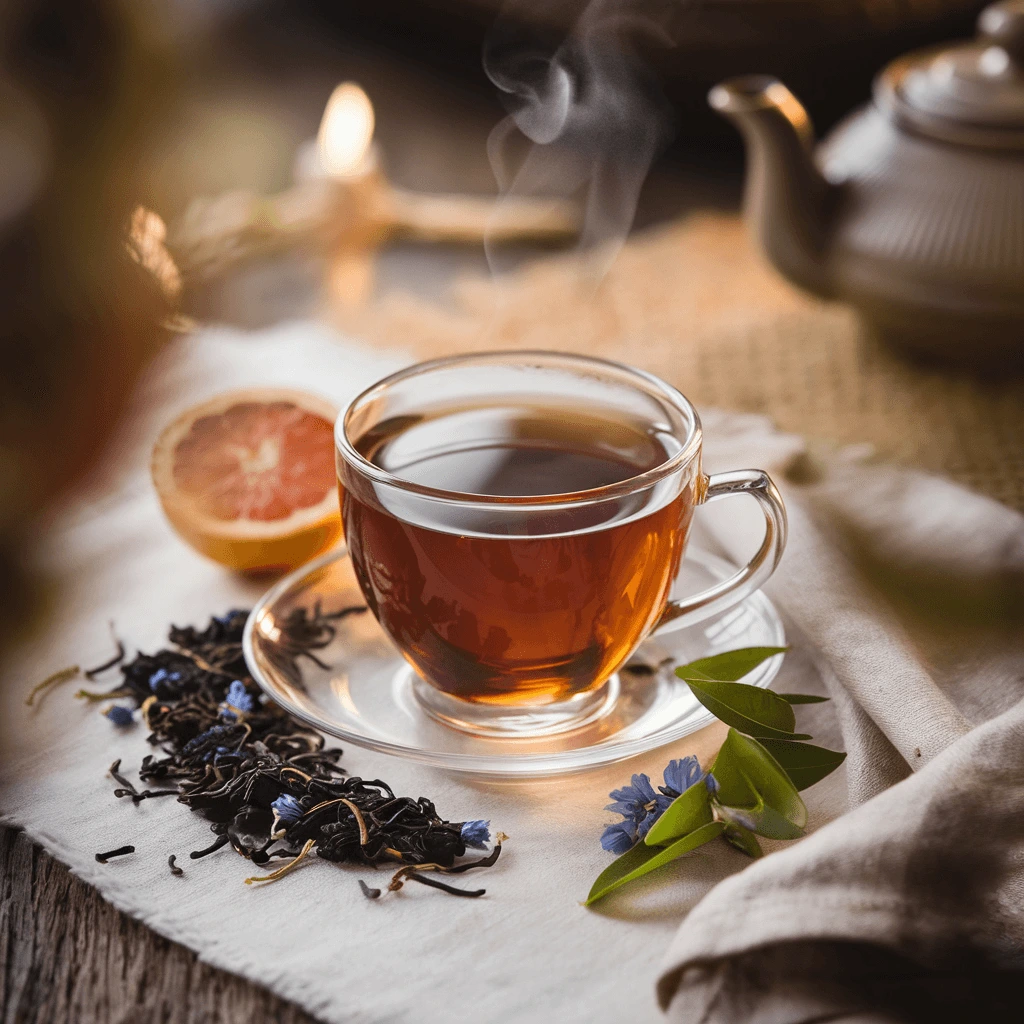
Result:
pixel 753 786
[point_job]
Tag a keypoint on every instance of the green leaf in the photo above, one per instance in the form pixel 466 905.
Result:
pixel 749 709
pixel 804 763
pixel 773 825
pixel 687 812
pixel 642 859
pixel 729 666
pixel 744 841
pixel 802 698
pixel 769 823
pixel 748 776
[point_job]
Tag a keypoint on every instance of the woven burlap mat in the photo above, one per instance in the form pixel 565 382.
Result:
pixel 694 303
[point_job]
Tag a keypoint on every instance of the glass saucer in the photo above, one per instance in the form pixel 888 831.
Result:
pixel 358 688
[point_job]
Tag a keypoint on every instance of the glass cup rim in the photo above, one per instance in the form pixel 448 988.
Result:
pixel 641 379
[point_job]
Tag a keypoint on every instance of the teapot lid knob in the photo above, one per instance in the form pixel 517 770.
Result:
pixel 1002 25
pixel 971 93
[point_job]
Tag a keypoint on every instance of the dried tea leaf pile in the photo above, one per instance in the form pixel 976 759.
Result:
pixel 266 783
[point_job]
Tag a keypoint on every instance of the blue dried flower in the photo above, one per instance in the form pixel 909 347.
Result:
pixel 238 701
pixel 287 808
pixel 197 741
pixel 162 675
pixel 681 774
pixel 239 697
pixel 226 618
pixel 120 715
pixel 640 806
pixel 620 837
pixel 476 833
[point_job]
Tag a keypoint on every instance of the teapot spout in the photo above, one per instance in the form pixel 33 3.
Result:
pixel 788 202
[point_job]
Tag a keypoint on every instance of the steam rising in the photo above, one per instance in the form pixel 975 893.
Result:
pixel 592 111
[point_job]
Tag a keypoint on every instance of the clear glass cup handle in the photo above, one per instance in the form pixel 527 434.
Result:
pixel 754 574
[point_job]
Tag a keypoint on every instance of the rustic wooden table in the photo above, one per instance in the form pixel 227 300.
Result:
pixel 67 957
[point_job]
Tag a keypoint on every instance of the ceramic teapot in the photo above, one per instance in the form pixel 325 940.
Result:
pixel 913 208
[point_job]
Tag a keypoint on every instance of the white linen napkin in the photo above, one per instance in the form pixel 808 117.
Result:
pixel 527 952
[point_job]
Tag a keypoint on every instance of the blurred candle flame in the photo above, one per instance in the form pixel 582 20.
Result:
pixel 346 131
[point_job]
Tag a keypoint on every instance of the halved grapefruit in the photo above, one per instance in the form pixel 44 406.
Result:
pixel 248 478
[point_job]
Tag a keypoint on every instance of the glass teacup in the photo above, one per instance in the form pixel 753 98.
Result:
pixel 516 521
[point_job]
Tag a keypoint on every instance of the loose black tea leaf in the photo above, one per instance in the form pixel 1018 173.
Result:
pixel 91 673
pixel 217 844
pixel 115 771
pixel 304 631
pixel 435 883
pixel 370 894
pixel 121 851
pixel 265 782
pixel 175 870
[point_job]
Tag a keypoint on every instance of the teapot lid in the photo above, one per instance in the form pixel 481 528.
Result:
pixel 971 94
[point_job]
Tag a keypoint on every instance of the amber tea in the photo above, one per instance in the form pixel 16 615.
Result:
pixel 512 612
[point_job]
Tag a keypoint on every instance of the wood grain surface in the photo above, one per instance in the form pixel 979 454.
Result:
pixel 68 957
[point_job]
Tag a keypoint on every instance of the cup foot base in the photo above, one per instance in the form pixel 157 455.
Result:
pixel 511 723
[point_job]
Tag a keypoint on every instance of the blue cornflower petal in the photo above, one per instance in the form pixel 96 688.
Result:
pixel 197 741
pixel 287 808
pixel 712 783
pixel 624 796
pixel 640 806
pixel 640 791
pixel 628 809
pixel 645 826
pixel 239 698
pixel 620 837
pixel 681 774
pixel 642 785
pixel 228 714
pixel 476 833
pixel 228 616
pixel 157 678
pixel 662 804
pixel 120 715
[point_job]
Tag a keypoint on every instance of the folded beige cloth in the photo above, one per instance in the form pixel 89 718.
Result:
pixel 909 592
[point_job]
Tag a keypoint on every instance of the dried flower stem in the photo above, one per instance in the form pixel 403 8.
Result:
pixel 364 835
pixel 281 872
pixel 95 697
pixel 53 680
